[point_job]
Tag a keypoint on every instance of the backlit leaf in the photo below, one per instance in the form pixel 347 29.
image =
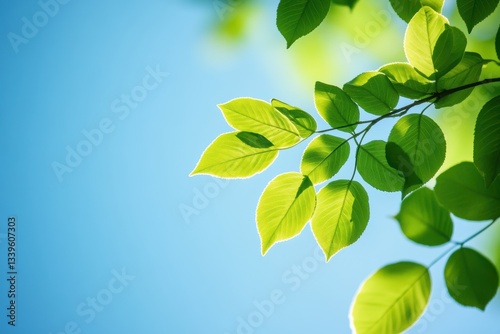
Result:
pixel 341 215
pixel 392 299
pixel 416 147
pixel 472 279
pixel 424 220
pixel 324 157
pixel 336 107
pixel 252 115
pixel 236 155
pixel 462 190
pixel 305 123
pixel 374 92
pixel 284 208
pixel 373 167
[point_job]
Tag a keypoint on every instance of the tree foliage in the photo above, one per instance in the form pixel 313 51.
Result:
pixel 438 72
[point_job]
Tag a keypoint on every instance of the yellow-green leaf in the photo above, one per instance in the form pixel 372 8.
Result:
pixel 284 208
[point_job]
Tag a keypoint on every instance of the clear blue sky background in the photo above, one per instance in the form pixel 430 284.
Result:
pixel 104 248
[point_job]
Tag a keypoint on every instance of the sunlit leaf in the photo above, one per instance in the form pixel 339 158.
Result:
pixel 373 167
pixel 497 43
pixel 305 123
pixel 416 147
pixel 341 215
pixel 406 9
pixel 474 11
pixel 424 220
pixel 324 157
pixel 487 141
pixel 466 72
pixel 284 208
pixel 392 299
pixel 252 115
pixel 408 82
pixel 462 190
pixel 236 155
pixel 297 18
pixel 374 92
pixel 336 107
pixel 431 45
pixel 475 275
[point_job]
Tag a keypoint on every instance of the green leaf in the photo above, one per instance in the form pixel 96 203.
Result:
pixel 449 50
pixel 476 276
pixel 336 107
pixel 406 9
pixel 246 114
pixel 466 72
pixel 431 45
pixel 374 92
pixel 305 123
pixel 408 82
pixel 424 220
pixel 348 3
pixel 474 11
pixel 297 18
pixel 341 216
pixel 462 190
pixel 497 43
pixel 416 147
pixel 487 141
pixel 324 157
pixel 392 299
pixel 236 155
pixel 284 208
pixel 373 167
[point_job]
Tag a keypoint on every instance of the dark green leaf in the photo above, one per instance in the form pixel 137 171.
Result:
pixel 487 141
pixel 374 92
pixel 416 147
pixel 472 279
pixel 474 11
pixel 236 155
pixel 392 299
pixel 324 157
pixel 341 216
pixel 373 167
pixel 305 123
pixel 297 18
pixel 336 107
pixel 466 72
pixel 408 82
pixel 348 3
pixel 424 220
pixel 449 50
pixel 462 190
pixel 284 208
pixel 406 9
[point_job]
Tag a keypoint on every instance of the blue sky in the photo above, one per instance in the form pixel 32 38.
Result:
pixel 106 108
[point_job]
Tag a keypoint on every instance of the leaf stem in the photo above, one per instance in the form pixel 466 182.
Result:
pixel 398 112
pixel 461 244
